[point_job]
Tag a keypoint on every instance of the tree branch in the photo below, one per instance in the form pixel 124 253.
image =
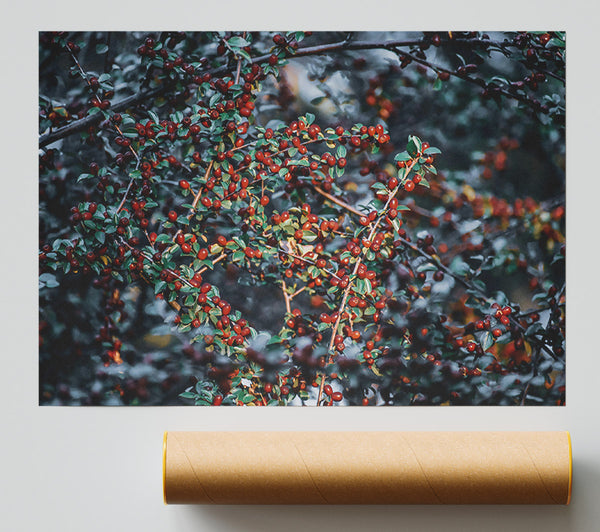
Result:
pixel 83 123
pixel 482 296
pixel 286 296
pixel 374 227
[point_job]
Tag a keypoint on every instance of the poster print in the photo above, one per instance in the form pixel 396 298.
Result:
pixel 298 218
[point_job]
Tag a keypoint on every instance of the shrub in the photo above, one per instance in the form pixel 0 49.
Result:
pixel 262 218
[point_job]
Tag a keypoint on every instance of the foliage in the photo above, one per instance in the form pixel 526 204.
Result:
pixel 262 218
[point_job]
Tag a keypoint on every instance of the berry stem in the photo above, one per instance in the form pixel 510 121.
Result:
pixel 286 297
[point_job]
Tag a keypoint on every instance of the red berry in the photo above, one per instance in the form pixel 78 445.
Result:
pixel 279 39
pixel 184 184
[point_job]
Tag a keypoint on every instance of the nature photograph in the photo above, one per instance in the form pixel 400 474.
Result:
pixel 302 218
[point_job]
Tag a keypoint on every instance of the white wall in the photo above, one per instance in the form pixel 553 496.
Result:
pixel 97 469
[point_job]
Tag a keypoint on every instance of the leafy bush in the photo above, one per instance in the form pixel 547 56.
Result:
pixel 262 218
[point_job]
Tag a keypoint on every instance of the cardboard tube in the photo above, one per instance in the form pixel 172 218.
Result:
pixel 367 468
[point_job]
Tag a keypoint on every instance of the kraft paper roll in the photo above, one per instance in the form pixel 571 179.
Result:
pixel 367 468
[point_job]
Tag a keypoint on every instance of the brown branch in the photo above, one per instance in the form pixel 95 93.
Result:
pixel 131 149
pixel 218 259
pixel 196 200
pixel 299 291
pixel 82 123
pixel 117 128
pixel 482 296
pixel 140 96
pixel 239 65
pixel 125 195
pixel 286 296
pixel 373 230
pixel 305 260
pixel 474 290
pixel 137 158
pixel 338 201
pixel 473 80
pixel 197 197
pixel 91 120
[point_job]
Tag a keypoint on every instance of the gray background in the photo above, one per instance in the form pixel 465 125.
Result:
pixel 96 469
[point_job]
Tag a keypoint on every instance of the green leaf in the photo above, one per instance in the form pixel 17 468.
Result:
pixel 48 280
pixel 244 54
pixel 459 267
pixel 404 156
pixel 414 145
pixel 163 238
pixel 427 267
pixel 104 77
pixel 487 340
pixel 101 48
pixel 362 286
pixel 238 42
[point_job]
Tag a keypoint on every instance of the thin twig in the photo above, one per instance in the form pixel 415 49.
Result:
pixel 338 201
pixel 299 291
pixel 286 296
pixel 239 65
pixel 218 259
pixel 196 200
pixel 125 195
pixel 198 195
